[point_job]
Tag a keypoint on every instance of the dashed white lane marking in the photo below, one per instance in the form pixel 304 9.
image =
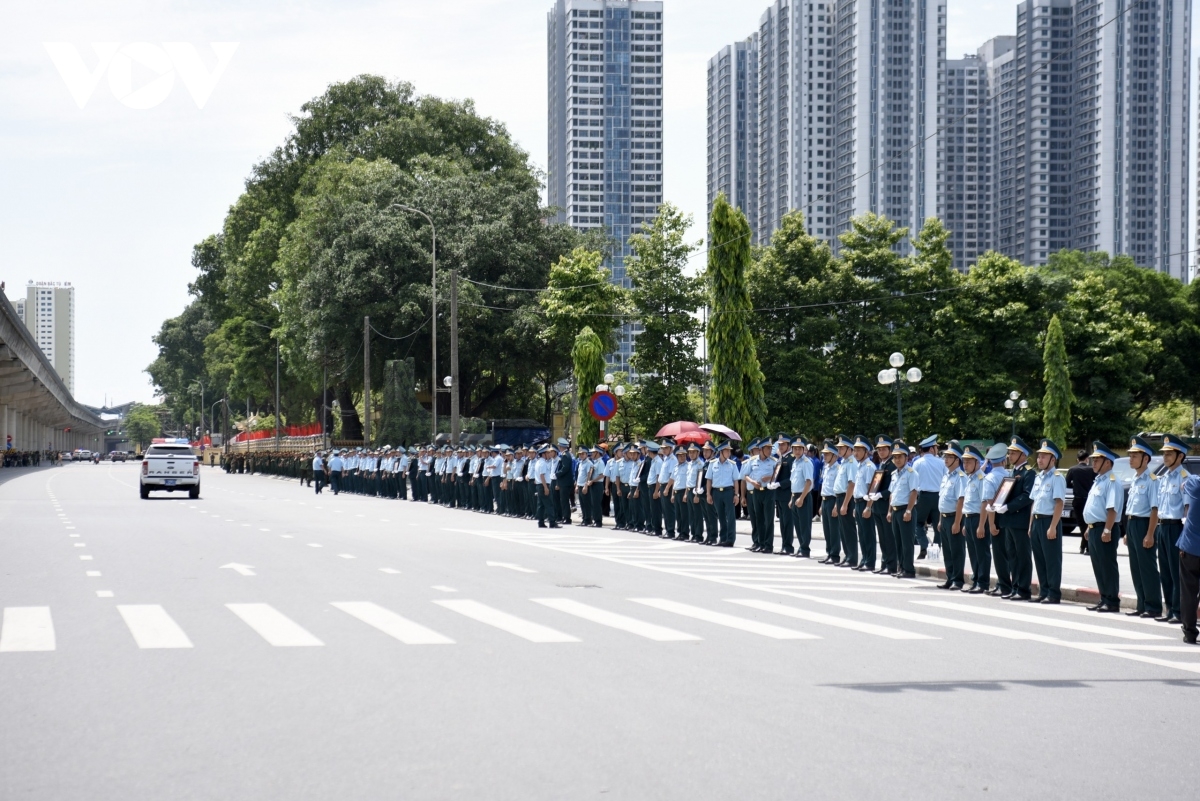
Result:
pixel 722 619
pixel 72 535
pixel 347 556
pixel 389 570
pixel 1041 620
pixel 830 620
pixel 83 557
pixel 273 626
pixel 534 632
pixel 70 528
pixel 264 529
pixel 392 624
pixel 650 631
pixel 152 627
pixel 286 536
pixel 104 593
pixel 442 588
pixel 315 545
pixel 27 628
pixel 93 573
pixel 81 545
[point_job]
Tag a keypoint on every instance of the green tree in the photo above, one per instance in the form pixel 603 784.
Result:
pixel 737 379
pixel 1056 406
pixel 1172 417
pixel 580 294
pixel 142 425
pixel 665 301
pixel 588 357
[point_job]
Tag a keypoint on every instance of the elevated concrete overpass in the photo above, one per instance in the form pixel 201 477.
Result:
pixel 36 411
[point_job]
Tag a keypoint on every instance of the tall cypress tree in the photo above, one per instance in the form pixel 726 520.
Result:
pixel 737 378
pixel 588 356
pixel 1056 405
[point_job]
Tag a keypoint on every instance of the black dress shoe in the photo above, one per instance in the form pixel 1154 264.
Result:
pixel 1163 619
pixel 1174 620
pixel 976 591
pixel 1016 596
pixel 922 554
pixel 1134 613
pixel 555 525
pixel 880 571
pixel 1149 614
pixel 541 525
pixel 957 587
pixel 945 586
pixel 1190 639
pixel 1050 601
pixel 766 550
pixel 907 575
pixel 1095 608
pixel 1006 595
pixel 1110 610
pixel 724 544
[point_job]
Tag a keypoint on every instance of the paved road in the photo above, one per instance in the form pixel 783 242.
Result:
pixel 366 649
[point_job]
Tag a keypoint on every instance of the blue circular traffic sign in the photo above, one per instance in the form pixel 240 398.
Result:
pixel 603 405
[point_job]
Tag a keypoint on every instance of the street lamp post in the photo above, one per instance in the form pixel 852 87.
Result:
pixel 433 383
pixel 618 390
pixel 1015 406
pixel 893 375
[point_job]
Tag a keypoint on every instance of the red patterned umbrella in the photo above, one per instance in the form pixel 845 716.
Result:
pixel 677 428
pixel 698 437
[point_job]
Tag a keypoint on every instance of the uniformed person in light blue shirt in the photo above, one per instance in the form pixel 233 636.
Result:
pixel 847 473
pixel 801 501
pixel 1141 523
pixel 666 501
pixel 760 476
pixel 861 483
pixel 1172 510
pixel 722 481
pixel 973 534
pixel 654 500
pixel 930 468
pixel 996 456
pixel 949 507
pixel 905 491
pixel 1045 525
pixel 1102 513
pixel 749 495
pixel 829 522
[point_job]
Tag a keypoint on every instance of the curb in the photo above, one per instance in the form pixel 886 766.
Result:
pixel 1079 595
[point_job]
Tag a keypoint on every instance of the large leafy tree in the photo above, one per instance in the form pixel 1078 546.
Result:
pixel 587 354
pixel 1056 407
pixel 665 301
pixel 737 379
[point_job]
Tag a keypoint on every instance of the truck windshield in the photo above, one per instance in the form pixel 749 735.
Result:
pixel 170 450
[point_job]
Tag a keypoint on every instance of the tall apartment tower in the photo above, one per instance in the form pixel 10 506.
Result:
pixel 1093 132
pixel 889 69
pixel 963 160
pixel 48 311
pixel 605 123
pixel 733 127
pixel 995 64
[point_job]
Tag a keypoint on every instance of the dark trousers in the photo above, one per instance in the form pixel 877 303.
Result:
pixel 654 510
pixel 566 492
pixel 866 532
pixel 783 497
pixel 1143 566
pixel 1001 561
pixel 1167 541
pixel 925 513
pixel 319 479
pixel 802 518
pixel 546 506
pixel 887 543
pixel 709 511
pixel 723 507
pixel 335 481
pixel 849 529
pixel 637 508
pixel 682 516
pixel 1189 591
pixel 667 502
pixel 954 550
pixel 698 502
pixel 830 527
pixel 1021 558
pixel 766 518
pixel 1104 564
pixel 980 551
pixel 596 496
pixel 585 507
pixel 1047 557
pixel 902 533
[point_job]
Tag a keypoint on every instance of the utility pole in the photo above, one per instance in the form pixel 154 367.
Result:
pixel 454 421
pixel 277 444
pixel 324 401
pixel 367 380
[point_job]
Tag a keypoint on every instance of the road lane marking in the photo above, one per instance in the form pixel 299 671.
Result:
pixel 83 557
pixel 315 545
pixel 72 535
pixel 442 588
pixel 93 573
pixel 1042 621
pixel 27 628
pixel 152 627
pixel 389 570
pixel 534 632
pixel 286 536
pixel 392 624
pixel 347 556
pixel 81 545
pixel 264 529
pixel 830 620
pixel 273 626
pixel 650 631
pixel 510 566
pixel 104 593
pixel 722 619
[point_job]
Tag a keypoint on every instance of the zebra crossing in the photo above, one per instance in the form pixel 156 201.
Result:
pixel 801 618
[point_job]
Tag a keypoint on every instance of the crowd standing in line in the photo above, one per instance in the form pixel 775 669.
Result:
pixel 998 512
pixel 15 458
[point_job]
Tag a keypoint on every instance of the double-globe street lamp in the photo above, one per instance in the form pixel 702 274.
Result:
pixel 893 375
pixel 618 390
pixel 1015 406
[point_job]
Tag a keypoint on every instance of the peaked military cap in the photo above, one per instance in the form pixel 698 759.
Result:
pixel 1018 444
pixel 1049 447
pixel 900 447
pixel 1102 450
pixel 724 446
pixel 997 452
pixel 928 442
pixel 1174 443
pixel 1140 445
pixel 883 441
pixel 651 446
pixel 971 452
pixel 954 449
pixel 563 442
pixel 693 447
pixel 827 447
pixel 862 442
pixel 844 442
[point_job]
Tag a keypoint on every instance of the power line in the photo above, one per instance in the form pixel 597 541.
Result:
pixel 406 336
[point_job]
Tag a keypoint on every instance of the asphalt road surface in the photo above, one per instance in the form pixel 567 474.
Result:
pixel 266 643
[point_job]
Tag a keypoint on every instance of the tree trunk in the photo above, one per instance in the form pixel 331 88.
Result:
pixel 351 423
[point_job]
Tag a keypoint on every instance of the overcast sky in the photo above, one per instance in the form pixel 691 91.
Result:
pixel 112 197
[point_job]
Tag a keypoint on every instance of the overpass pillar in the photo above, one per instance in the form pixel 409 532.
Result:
pixel 3 426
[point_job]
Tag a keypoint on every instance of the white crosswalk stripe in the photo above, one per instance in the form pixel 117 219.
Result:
pixel 831 620
pixel 650 631
pixel 152 627
pixel 722 619
pixel 534 632
pixel 273 626
pixel 1039 620
pixel 27 628
pixel 392 624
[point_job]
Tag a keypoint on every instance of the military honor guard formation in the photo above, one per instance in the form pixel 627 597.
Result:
pixel 877 502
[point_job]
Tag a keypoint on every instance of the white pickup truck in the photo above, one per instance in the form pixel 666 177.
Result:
pixel 170 467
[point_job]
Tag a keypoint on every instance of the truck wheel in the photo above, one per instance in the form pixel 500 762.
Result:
pixel 194 492
pixel 144 491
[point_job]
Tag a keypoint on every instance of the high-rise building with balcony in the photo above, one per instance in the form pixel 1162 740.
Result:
pixel 605 123
pixel 733 127
pixel 48 311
